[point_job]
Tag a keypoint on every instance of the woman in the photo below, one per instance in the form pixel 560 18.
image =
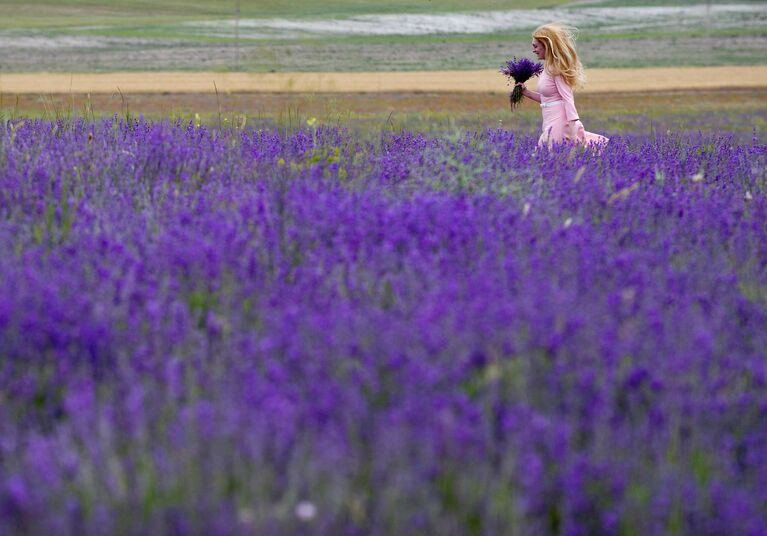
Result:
pixel 562 73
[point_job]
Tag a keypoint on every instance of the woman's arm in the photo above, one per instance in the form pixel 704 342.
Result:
pixel 572 130
pixel 566 92
pixel 529 94
pixel 571 114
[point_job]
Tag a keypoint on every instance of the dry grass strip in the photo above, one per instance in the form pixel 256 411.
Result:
pixel 600 81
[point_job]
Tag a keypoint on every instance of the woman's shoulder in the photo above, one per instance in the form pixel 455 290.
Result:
pixel 553 75
pixel 560 80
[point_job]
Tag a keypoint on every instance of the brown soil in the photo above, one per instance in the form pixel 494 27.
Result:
pixel 337 104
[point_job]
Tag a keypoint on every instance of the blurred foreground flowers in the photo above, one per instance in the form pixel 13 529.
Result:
pixel 253 332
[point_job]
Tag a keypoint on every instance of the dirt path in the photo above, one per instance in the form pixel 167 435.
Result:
pixel 600 80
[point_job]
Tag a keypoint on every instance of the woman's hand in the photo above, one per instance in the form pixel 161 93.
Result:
pixel 532 95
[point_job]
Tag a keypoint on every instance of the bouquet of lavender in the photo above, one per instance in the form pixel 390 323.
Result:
pixel 520 70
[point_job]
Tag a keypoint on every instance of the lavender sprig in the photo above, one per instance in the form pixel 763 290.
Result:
pixel 520 71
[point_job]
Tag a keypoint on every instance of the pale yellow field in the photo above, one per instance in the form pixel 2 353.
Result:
pixel 600 80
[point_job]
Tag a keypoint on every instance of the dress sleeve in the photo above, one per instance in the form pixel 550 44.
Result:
pixel 566 92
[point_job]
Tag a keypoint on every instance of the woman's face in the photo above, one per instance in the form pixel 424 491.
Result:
pixel 539 50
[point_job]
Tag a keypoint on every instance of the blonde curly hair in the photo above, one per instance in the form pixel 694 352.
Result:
pixel 561 57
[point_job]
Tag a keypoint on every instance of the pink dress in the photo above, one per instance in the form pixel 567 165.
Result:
pixel 558 107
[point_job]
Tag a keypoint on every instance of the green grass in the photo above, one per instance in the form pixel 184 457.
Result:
pixel 48 14
pixel 660 3
pixel 51 14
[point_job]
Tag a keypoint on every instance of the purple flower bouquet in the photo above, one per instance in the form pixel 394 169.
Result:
pixel 520 71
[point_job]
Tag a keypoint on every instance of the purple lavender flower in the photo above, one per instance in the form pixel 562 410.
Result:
pixel 251 332
pixel 520 71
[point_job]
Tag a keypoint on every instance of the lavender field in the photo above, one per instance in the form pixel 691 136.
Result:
pixel 306 331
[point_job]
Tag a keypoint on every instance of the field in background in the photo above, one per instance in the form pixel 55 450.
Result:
pixel 113 36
